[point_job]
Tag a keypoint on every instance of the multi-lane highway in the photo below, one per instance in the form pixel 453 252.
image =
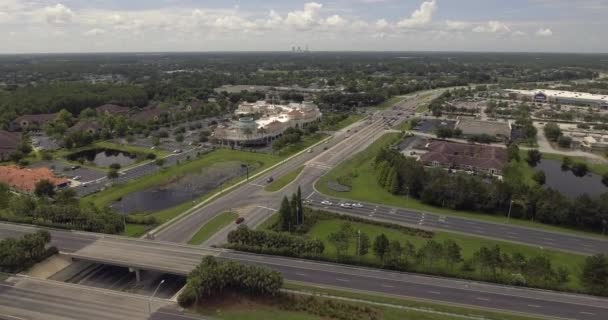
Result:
pixel 28 298
pixel 180 259
pixel 542 238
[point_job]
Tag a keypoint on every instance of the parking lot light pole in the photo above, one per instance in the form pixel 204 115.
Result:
pixel 152 296
pixel 246 166
pixel 510 206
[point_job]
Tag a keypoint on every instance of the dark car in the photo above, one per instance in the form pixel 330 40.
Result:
pixel 269 180
pixel 239 220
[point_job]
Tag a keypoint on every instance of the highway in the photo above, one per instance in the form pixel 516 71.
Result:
pixel 258 204
pixel 541 238
pixel 24 298
pixel 179 259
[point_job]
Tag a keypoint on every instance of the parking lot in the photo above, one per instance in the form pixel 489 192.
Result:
pixel 71 171
pixel 430 125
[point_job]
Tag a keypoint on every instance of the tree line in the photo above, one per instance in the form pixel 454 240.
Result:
pixel 216 277
pixel 20 254
pixel 59 209
pixel 405 176
pixel 276 243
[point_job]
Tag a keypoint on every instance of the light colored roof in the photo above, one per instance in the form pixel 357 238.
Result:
pixel 25 179
pixel 478 127
pixel 564 94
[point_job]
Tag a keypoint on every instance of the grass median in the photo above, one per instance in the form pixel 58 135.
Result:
pixel 213 226
pixel 364 188
pixel 284 180
pixel 469 245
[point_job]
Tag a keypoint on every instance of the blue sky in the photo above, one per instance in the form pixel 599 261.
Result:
pixel 214 25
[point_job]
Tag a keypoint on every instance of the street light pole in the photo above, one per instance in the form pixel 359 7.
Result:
pixel 510 206
pixel 152 296
pixel 359 244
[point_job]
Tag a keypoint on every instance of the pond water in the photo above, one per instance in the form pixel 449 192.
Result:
pixel 102 157
pixel 567 183
pixel 183 189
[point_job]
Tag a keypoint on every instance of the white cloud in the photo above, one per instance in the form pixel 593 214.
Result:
pixel 422 16
pixel 304 19
pixel 335 21
pixel 546 32
pixel 58 14
pixel 94 32
pixel 492 27
pixel 381 24
pixel 457 25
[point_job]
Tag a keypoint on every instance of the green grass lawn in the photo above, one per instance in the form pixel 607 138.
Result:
pixel 284 180
pixel 135 230
pixel 390 102
pixel 344 123
pixel 307 142
pixel 214 225
pixel 468 244
pixel 365 188
pixel 399 309
pixel 408 303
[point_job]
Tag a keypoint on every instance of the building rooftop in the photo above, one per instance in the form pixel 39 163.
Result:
pixel 478 127
pixel 564 94
pixel 463 155
pixel 25 179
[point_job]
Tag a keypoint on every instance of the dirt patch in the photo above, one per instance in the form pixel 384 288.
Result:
pixel 337 187
pixel 49 267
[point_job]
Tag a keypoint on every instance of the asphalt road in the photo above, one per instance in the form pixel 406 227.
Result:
pixel 541 238
pixel 26 298
pixel 179 259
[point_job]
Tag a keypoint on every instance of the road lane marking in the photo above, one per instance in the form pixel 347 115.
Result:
pixel 270 209
pixel 435 292
pixel 310 195
pixel 301 274
pixel 342 280
pixel 482 299
pixel 387 286
pixel 533 306
pixel 587 313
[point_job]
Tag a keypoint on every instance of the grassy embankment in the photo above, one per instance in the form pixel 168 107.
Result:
pixel 284 180
pixel 213 226
pixel 469 246
pixel 387 307
pixel 344 123
pixel 365 188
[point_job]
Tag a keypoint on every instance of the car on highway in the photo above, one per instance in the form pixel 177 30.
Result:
pixel 177 151
pixel 310 150
pixel 326 203
pixel 346 205
pixel 357 205
pixel 239 220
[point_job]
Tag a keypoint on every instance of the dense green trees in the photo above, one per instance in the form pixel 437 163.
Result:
pixel 19 254
pixel 279 243
pixel 594 275
pixel 291 213
pixel 405 176
pixel 552 131
pixel 215 277
pixel 60 210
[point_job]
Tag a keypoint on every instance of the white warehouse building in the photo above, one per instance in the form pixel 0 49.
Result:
pixel 563 97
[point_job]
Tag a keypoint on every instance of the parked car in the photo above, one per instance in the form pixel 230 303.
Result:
pixel 239 220
pixel 74 167
pixel 177 151
pixel 269 180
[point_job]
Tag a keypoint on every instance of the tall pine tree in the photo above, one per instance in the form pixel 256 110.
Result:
pixel 300 212
pixel 285 214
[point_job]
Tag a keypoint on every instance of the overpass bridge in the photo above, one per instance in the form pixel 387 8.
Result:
pixel 141 254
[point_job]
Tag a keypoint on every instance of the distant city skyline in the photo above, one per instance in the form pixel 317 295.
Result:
pixel 41 26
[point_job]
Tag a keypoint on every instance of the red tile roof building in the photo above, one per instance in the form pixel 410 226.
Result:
pixel 30 120
pixel 112 109
pixel 25 179
pixel 462 156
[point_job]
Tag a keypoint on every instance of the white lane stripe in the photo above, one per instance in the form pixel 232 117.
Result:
pixel 342 280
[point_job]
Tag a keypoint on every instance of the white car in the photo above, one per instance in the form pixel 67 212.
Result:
pixel 326 203
pixel 346 205
pixel 357 205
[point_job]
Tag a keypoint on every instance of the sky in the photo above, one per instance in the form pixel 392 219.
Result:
pixel 41 26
